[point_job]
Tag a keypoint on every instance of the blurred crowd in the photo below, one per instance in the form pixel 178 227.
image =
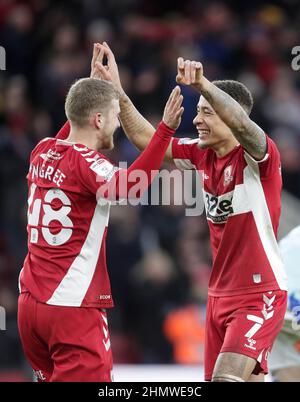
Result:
pixel 159 260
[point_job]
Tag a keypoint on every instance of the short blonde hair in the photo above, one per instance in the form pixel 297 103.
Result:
pixel 87 96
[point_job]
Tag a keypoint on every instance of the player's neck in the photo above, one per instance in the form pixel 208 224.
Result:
pixel 82 136
pixel 224 148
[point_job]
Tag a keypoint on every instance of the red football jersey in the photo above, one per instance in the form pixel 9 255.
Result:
pixel 66 263
pixel 242 202
pixel 67 226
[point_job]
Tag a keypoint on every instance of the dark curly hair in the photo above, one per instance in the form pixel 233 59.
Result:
pixel 238 92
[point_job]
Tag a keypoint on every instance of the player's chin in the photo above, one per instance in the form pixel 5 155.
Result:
pixel 203 144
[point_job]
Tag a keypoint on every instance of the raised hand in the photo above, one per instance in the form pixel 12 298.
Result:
pixel 189 72
pixel 173 109
pixel 98 55
pixel 109 72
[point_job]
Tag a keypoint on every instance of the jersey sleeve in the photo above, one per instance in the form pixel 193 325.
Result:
pixel 185 153
pixel 40 148
pixel 94 171
pixel 270 165
pixel 110 182
pixel 61 135
pixel 64 131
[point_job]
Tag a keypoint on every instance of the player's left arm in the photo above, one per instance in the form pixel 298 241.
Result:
pixel 249 134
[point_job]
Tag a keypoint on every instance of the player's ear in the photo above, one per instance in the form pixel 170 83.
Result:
pixel 98 120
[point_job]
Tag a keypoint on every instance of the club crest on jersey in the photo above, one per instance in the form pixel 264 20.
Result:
pixel 228 175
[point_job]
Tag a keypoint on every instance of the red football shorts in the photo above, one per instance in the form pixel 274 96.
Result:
pixel 245 324
pixel 65 343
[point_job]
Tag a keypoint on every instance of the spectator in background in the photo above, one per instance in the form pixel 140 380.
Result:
pixel 155 289
pixel 285 355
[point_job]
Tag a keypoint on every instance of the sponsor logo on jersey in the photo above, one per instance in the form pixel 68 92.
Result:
pixel 51 156
pixel 218 208
pixel 105 297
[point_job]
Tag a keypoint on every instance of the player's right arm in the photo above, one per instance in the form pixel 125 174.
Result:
pixel 138 130
pixel 112 183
